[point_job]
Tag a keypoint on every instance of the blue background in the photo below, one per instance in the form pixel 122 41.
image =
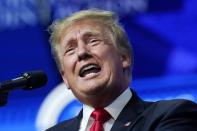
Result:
pixel 163 35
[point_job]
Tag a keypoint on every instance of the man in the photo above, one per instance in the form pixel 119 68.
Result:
pixel 95 58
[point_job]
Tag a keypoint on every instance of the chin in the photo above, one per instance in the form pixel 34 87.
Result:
pixel 94 88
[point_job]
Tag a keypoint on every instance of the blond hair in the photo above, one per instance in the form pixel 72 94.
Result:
pixel 106 18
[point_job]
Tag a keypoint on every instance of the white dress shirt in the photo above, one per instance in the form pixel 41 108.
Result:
pixel 113 109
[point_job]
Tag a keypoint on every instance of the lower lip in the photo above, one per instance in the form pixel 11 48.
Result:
pixel 91 75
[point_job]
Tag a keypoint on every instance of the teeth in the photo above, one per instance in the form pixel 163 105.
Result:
pixel 88 69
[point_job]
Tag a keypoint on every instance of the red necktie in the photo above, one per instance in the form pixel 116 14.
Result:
pixel 100 117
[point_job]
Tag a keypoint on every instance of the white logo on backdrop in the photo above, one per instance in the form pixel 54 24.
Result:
pixel 53 106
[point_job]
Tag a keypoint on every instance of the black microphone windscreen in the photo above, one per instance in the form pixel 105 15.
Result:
pixel 35 79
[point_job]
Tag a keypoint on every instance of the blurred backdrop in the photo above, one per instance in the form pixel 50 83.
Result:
pixel 162 32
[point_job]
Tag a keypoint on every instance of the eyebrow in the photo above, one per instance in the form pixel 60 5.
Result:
pixel 85 35
pixel 90 33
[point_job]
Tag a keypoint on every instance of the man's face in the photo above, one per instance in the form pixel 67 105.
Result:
pixel 91 65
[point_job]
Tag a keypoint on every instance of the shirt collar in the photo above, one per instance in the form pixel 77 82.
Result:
pixel 119 103
pixel 114 108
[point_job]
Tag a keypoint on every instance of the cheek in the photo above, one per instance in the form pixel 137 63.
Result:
pixel 111 62
pixel 114 62
pixel 68 64
pixel 111 57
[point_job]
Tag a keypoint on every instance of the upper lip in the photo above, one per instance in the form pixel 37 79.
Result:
pixel 87 67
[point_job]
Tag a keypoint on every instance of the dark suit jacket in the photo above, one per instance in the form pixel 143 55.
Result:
pixel 138 115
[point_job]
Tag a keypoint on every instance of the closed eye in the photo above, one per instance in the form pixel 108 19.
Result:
pixel 70 47
pixel 69 50
pixel 94 41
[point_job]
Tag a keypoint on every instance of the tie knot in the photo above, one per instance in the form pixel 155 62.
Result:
pixel 100 115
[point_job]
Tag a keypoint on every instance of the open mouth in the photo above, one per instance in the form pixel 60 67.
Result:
pixel 88 69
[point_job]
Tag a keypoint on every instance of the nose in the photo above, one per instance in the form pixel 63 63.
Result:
pixel 83 51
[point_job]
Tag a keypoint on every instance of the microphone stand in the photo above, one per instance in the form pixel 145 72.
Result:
pixel 3 98
pixel 28 81
pixel 6 86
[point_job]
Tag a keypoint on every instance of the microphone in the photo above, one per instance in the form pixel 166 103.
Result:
pixel 28 81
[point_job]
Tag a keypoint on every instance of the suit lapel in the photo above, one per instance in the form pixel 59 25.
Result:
pixel 74 124
pixel 125 121
pixel 130 114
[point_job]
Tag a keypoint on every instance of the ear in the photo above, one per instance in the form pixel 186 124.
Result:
pixel 65 79
pixel 126 61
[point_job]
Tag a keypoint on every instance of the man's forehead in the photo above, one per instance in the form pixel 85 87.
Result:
pixel 82 28
pixel 82 31
pixel 84 25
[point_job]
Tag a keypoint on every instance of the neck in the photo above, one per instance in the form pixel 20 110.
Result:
pixel 103 99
